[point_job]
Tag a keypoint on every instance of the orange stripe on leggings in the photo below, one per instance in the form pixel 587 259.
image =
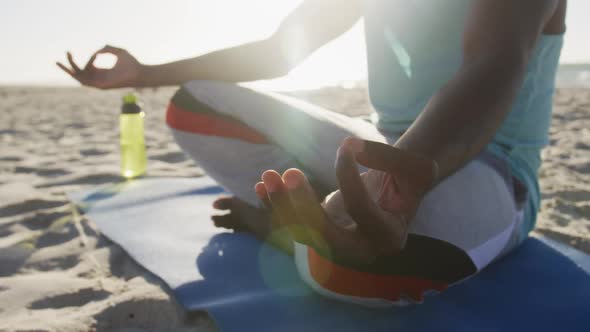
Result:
pixel 211 125
pixel 344 281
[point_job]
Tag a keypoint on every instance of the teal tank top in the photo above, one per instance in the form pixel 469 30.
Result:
pixel 414 47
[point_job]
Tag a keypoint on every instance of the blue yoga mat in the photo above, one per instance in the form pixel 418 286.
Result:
pixel 164 224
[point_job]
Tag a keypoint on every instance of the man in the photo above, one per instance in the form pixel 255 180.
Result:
pixel 462 91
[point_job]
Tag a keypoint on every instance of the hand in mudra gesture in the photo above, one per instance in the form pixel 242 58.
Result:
pixel 368 216
pixel 124 73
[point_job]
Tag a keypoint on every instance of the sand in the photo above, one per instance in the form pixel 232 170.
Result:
pixel 58 273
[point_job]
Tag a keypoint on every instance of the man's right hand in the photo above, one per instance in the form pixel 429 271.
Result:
pixel 125 72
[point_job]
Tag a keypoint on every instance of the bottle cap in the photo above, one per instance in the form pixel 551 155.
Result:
pixel 130 104
pixel 130 99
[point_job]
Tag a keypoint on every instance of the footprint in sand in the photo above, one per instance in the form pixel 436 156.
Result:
pixel 42 220
pixel 159 313
pixel 583 210
pixel 569 195
pixel 11 159
pixel 12 259
pixel 170 157
pixel 582 168
pixel 28 206
pixel 43 172
pixel 75 299
pixel 122 265
pixel 76 125
pixel 54 237
pixel 58 263
pixel 93 152
pixel 11 132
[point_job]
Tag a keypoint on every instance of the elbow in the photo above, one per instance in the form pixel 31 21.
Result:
pixel 272 60
pixel 276 68
pixel 502 64
pixel 499 73
pixel 287 50
pixel 512 63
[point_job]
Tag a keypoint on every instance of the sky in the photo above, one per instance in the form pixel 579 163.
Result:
pixel 36 33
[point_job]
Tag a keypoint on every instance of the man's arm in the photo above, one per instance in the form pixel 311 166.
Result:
pixel 464 115
pixel 311 25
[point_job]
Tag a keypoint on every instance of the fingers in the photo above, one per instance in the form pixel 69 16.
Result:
pixel 75 67
pixel 111 49
pixel 229 221
pixel 90 63
pixel 375 155
pixel 354 193
pixel 223 203
pixel 75 76
pixel 226 221
pixel 387 158
pixel 66 69
pixel 74 71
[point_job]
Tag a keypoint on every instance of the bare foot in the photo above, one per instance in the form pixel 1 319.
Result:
pixel 242 217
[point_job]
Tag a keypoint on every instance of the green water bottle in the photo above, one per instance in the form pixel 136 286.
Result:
pixel 133 157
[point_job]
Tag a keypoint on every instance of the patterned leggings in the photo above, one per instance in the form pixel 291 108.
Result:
pixel 467 221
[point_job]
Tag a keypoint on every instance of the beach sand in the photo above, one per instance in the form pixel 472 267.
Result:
pixel 57 273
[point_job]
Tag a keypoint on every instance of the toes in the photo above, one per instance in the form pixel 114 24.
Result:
pixel 299 189
pixel 278 197
pixel 224 221
pixel 293 178
pixel 223 203
pixel 273 182
pixel 228 221
pixel 303 199
pixel 262 194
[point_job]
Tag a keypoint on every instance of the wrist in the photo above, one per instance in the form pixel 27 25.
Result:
pixel 142 78
pixel 422 171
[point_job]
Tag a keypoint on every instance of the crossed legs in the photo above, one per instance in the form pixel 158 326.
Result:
pixel 236 134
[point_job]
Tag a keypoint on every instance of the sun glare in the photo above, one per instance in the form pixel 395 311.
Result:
pixel 159 32
pixel 340 61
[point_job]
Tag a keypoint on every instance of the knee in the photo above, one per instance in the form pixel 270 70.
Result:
pixel 193 89
pixel 193 97
pixel 202 96
pixel 206 90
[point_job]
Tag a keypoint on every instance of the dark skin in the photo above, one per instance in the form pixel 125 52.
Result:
pixel 460 119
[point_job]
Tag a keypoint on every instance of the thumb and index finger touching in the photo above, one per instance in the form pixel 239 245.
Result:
pixel 382 157
pixel 74 69
pixel 354 193
pixel 387 158
pixel 107 49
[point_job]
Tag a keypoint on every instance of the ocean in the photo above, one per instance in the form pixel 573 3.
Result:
pixel 573 76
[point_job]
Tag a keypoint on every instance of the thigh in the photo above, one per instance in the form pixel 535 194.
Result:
pixel 233 163
pixel 463 224
pixel 473 210
pixel 308 133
